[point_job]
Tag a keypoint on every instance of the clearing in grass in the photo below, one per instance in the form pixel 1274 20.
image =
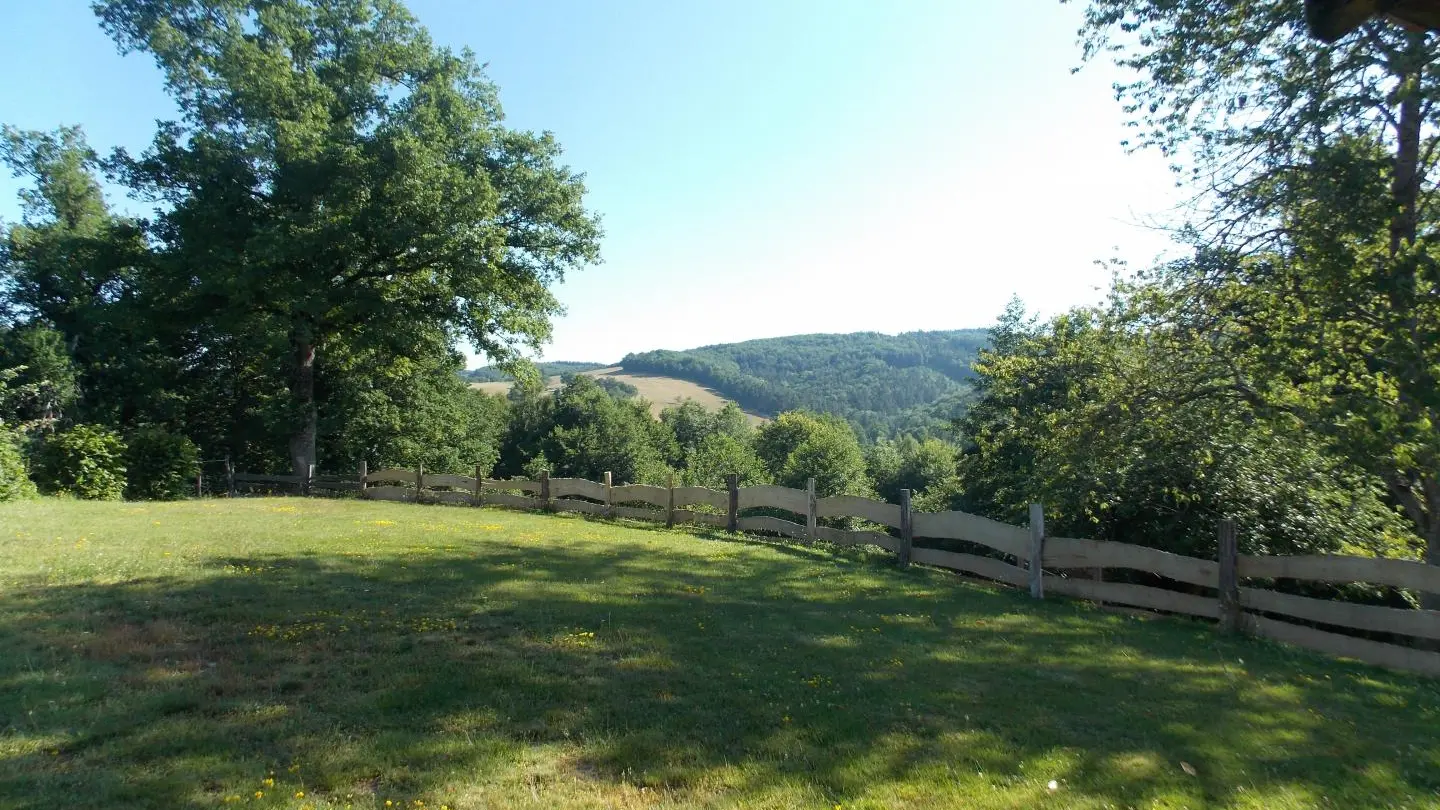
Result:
pixel 330 654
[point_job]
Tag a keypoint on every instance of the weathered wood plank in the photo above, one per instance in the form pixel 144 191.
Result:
pixel 702 518
pixel 1228 576
pixel 571 505
pixel 1121 593
pixel 449 497
pixel 1420 623
pixel 390 493
pixel 393 475
pixel 1067 552
pixel 987 567
pixel 434 481
pixel 1371 652
pixel 765 523
pixel 732 505
pixel 812 519
pixel 514 501
pixel 560 487
pixel 1337 568
pixel 637 513
pixel 692 496
pixel 887 514
pixel 792 500
pixel 255 478
pixel 840 537
pixel 355 485
pixel 644 493
pixel 1035 559
pixel 1003 537
pixel 520 484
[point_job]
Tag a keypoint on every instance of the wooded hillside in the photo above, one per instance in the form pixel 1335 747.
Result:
pixel 882 384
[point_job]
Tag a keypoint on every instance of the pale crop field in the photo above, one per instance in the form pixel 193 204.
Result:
pixel 661 392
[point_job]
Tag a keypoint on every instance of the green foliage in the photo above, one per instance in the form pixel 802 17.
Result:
pixel 15 480
pixel 159 465
pixel 583 432
pixel 910 464
pixel 1312 293
pixel 1095 420
pixel 336 179
pixel 717 456
pixel 87 461
pixel 391 411
pixel 798 446
pixel 690 423
pixel 617 388
pixel 882 384
pixel 44 383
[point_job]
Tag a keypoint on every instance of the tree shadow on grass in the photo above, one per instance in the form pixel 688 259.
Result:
pixel 788 674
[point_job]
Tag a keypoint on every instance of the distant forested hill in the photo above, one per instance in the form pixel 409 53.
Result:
pixel 547 370
pixel 883 384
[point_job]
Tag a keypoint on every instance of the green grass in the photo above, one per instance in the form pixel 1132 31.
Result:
pixel 371 655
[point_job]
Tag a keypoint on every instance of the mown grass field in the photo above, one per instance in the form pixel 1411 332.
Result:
pixel 327 654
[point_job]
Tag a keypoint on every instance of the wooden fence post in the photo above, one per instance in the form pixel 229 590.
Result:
pixel 670 509
pixel 1229 583
pixel 364 473
pixel 200 484
pixel 419 480
pixel 1037 551
pixel 609 497
pixel 732 521
pixel 309 480
pixel 545 491
pixel 479 498
pixel 229 478
pixel 907 531
pixel 810 517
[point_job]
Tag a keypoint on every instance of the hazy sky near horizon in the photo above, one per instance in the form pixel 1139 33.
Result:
pixel 763 167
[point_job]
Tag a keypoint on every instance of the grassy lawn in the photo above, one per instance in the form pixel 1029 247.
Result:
pixel 312 653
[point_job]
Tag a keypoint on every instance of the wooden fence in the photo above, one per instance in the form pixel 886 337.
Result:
pixel 1234 590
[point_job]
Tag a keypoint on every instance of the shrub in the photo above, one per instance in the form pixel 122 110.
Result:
pixel 159 465
pixel 87 461
pixel 15 481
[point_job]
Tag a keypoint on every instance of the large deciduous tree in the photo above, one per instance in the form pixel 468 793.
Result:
pixel 336 175
pixel 1317 275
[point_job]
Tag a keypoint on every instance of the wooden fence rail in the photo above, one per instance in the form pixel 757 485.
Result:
pixel 1017 555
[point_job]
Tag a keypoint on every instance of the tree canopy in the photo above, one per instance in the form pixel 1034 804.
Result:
pixel 336 178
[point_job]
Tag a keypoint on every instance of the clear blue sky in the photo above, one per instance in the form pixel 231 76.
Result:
pixel 764 167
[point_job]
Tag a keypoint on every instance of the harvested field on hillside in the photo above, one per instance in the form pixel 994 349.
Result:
pixel 662 392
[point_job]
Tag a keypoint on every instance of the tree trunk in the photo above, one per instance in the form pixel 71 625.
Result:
pixel 1405 186
pixel 1421 500
pixel 302 395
